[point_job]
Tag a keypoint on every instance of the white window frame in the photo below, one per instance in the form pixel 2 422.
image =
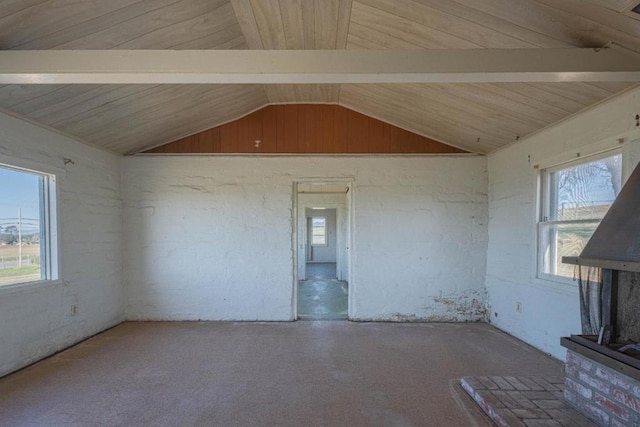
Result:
pixel 543 207
pixel 49 260
pixel 326 231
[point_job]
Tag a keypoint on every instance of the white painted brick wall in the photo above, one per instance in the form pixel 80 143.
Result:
pixel 210 237
pixel 36 320
pixel 548 310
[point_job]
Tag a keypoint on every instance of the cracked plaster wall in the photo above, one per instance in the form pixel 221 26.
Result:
pixel 36 319
pixel 210 237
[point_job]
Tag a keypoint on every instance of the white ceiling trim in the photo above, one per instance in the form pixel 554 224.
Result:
pixel 317 67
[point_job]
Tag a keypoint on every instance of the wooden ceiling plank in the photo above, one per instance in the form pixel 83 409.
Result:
pixel 200 26
pixel 118 103
pixel 361 37
pixel 11 95
pixel 247 21
pixel 344 19
pixel 580 92
pixel 617 5
pixel 407 118
pixel 136 27
pixel 122 107
pixel 357 40
pixel 82 28
pixel 530 15
pixel 470 107
pixel 279 93
pixel 566 27
pixel 545 109
pixel 326 23
pixel 494 113
pixel 434 19
pixel 190 120
pixel 269 20
pixel 613 87
pixel 62 112
pixel 155 106
pixel 330 92
pixel 49 17
pixel 309 24
pixel 600 15
pixel 292 22
pixel 486 121
pixel 461 10
pixel 310 93
pixel 552 99
pixel 400 28
pixel 429 110
pixel 227 38
pixel 59 95
pixel 10 7
pixel 515 105
pixel 314 93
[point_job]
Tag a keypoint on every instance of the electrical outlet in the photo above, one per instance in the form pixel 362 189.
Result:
pixel 74 309
pixel 518 307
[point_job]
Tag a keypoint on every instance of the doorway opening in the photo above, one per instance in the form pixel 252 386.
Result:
pixel 322 236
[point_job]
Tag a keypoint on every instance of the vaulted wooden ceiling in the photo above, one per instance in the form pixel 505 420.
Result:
pixel 475 117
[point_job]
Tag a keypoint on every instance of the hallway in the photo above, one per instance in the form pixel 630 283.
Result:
pixel 322 296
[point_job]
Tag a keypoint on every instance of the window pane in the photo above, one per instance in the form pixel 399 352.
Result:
pixel 20 226
pixel 564 239
pixel 318 230
pixel 578 198
pixel 584 191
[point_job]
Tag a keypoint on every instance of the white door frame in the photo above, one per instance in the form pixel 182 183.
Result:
pixel 345 210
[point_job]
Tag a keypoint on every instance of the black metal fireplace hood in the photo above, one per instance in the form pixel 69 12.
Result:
pixel 615 244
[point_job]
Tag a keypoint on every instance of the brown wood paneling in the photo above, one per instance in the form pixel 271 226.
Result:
pixel 313 128
pixel 269 130
pixel 217 143
pixel 378 141
pixel 250 131
pixel 326 128
pixel 306 128
pixel 302 128
pixel 229 137
pixel 243 135
pixel 340 130
pixel 204 141
pixel 287 128
pixel 356 142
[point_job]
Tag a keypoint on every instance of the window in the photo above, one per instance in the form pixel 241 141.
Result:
pixel 318 231
pixel 574 199
pixel 26 226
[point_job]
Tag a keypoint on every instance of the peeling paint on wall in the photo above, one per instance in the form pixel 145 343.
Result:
pixel 468 307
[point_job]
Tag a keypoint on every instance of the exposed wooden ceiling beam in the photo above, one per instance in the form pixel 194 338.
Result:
pixel 317 66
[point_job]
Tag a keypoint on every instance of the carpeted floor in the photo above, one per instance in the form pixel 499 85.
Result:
pixel 267 374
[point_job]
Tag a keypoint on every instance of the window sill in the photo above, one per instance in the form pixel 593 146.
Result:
pixel 28 287
pixel 557 283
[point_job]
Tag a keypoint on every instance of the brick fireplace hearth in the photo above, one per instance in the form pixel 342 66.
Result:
pixel 605 395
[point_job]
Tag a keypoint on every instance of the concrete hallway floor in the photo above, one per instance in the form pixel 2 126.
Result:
pixel 321 270
pixel 267 374
pixel 322 296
